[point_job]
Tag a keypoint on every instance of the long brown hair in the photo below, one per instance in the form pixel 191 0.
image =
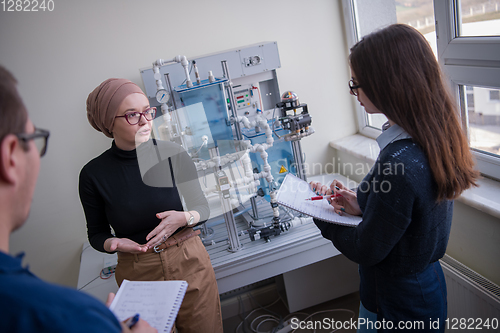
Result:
pixel 399 74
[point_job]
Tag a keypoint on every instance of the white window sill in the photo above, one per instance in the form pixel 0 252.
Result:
pixel 485 198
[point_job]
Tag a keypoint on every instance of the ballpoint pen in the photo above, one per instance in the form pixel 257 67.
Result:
pixel 132 321
pixel 321 197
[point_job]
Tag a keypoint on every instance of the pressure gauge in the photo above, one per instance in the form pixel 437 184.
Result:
pixel 162 96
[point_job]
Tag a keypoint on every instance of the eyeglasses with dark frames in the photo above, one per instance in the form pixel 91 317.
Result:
pixel 354 87
pixel 134 117
pixel 40 136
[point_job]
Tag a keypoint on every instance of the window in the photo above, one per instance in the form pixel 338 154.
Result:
pixel 465 36
pixel 494 95
pixel 477 17
pixel 468 48
pixel 483 114
pixel 366 16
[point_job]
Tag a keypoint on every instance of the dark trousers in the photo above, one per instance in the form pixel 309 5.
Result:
pixel 414 302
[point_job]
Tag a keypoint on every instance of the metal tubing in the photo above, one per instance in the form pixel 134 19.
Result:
pixel 255 211
pixel 174 114
pixel 232 103
pixel 297 154
pixel 232 230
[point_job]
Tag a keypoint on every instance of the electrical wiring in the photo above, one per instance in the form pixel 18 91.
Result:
pixel 252 312
pixel 295 314
pixel 202 145
pixel 279 137
pixel 260 98
pixel 89 282
pixel 272 318
pixel 105 276
pixel 242 308
pixel 101 275
pixel 256 323
pixel 263 308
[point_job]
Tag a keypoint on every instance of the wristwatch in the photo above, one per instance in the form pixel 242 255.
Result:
pixel 191 221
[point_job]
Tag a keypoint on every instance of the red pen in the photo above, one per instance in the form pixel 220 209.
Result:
pixel 325 197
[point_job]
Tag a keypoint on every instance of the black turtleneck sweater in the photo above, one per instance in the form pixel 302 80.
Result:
pixel 126 189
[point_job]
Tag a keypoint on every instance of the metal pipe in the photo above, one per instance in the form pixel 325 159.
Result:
pixel 232 230
pixel 232 102
pixel 297 153
pixel 174 115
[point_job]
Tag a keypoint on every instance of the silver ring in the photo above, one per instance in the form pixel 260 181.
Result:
pixel 164 238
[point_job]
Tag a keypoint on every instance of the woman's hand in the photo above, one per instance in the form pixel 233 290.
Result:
pixel 320 189
pixel 123 245
pixel 347 202
pixel 171 220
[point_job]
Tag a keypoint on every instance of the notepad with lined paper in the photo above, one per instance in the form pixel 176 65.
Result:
pixel 293 194
pixel 157 302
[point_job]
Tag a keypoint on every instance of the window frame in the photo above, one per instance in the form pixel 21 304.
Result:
pixel 466 61
pixel 352 34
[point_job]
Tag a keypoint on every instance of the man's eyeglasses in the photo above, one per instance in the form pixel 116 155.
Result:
pixel 40 136
pixel 354 87
pixel 133 118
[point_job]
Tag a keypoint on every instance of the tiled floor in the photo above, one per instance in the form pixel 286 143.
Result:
pixel 326 315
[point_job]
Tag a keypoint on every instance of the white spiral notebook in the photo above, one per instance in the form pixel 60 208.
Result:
pixel 293 194
pixel 157 302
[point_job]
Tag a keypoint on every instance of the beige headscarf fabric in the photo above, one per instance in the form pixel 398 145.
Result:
pixel 104 101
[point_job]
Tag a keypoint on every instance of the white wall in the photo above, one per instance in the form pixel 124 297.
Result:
pixel 59 57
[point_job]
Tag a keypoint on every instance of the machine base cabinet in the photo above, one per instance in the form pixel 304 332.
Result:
pixel 317 283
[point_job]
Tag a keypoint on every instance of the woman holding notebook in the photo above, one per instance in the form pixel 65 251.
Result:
pixel 406 200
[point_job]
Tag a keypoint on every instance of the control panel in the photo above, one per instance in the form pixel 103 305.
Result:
pixel 243 98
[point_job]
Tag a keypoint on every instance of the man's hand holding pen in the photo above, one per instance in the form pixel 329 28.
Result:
pixel 133 324
pixel 342 199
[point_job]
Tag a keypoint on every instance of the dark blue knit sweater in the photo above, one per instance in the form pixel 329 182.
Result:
pixel 404 228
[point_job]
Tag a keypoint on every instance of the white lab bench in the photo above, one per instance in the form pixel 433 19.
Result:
pixel 300 257
pixel 89 281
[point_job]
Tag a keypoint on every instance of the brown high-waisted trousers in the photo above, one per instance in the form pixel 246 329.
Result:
pixel 188 261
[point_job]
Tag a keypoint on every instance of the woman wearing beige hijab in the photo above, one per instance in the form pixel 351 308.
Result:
pixel 141 201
